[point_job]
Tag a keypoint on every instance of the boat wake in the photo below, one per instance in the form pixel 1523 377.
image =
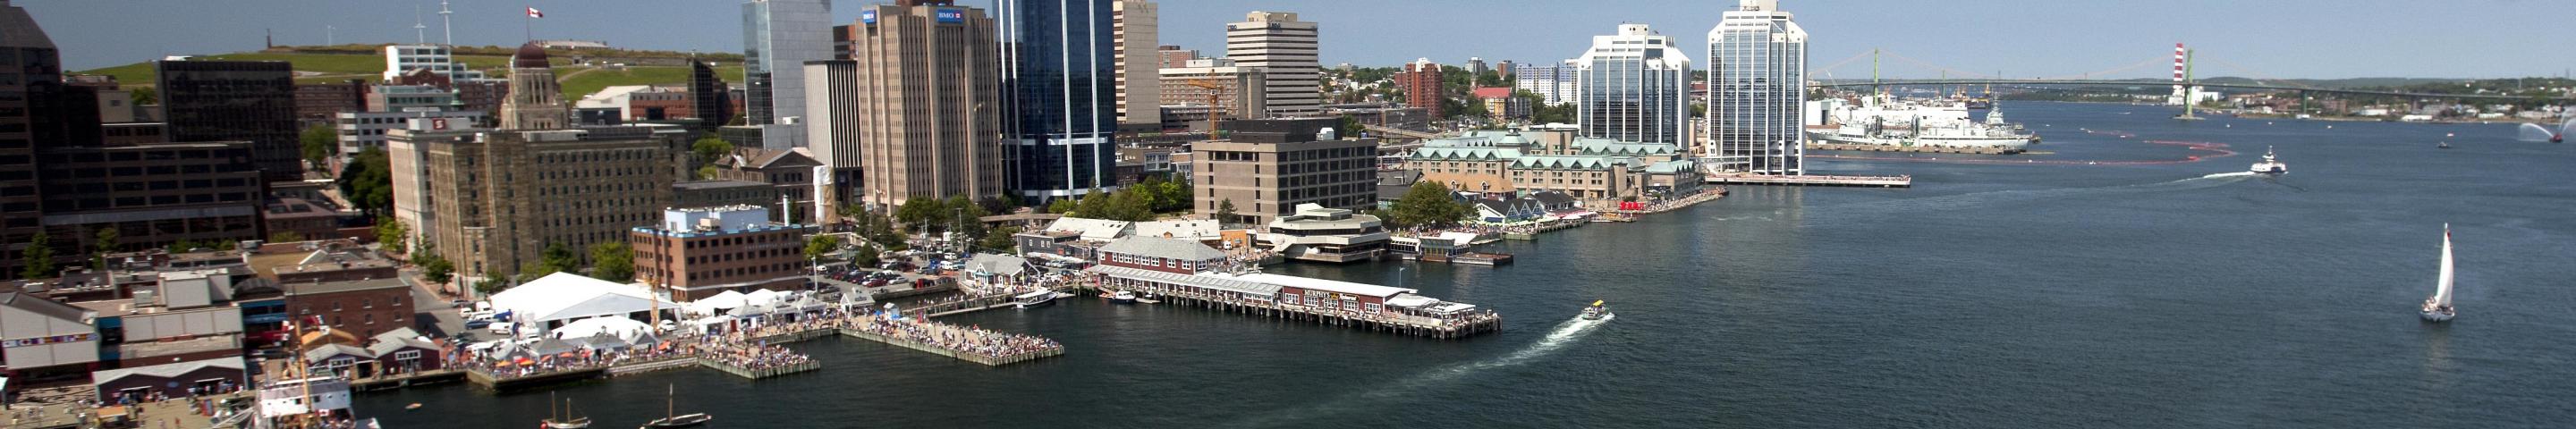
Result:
pixel 1557 339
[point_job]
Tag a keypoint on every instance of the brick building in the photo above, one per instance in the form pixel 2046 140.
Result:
pixel 700 252
pixel 362 307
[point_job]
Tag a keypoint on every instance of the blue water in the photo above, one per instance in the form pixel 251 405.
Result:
pixel 1986 296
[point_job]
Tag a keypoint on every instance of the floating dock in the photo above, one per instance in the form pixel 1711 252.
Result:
pixel 1482 258
pixel 942 351
pixel 1913 149
pixel 1813 180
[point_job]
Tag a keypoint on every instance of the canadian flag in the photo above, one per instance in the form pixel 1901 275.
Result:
pixel 534 13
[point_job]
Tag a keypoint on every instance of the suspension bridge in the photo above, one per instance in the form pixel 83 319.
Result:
pixel 2181 82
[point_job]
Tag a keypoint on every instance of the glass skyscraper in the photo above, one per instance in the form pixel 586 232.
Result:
pixel 1634 86
pixel 778 37
pixel 1757 90
pixel 1057 82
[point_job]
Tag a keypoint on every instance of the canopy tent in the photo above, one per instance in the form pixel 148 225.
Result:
pixel 763 297
pixel 564 297
pixel 610 326
pixel 726 300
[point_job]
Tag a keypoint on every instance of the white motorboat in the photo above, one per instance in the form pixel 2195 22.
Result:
pixel 2438 307
pixel 1123 297
pixel 1034 299
pixel 1596 311
pixel 2271 164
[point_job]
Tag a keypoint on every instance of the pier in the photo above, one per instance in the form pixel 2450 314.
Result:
pixel 1913 149
pixel 1331 303
pixel 1812 180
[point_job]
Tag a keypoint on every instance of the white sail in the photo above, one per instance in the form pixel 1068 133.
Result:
pixel 2442 291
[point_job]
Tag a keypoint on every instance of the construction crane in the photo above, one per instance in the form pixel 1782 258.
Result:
pixel 1216 89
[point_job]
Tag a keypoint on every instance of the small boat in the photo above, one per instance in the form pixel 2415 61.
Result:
pixel 2442 145
pixel 1123 297
pixel 1033 299
pixel 568 420
pixel 413 406
pixel 671 417
pixel 2270 165
pixel 2438 307
pixel 1596 311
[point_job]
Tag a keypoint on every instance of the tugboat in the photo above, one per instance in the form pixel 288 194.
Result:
pixel 2438 307
pixel 1596 311
pixel 2271 164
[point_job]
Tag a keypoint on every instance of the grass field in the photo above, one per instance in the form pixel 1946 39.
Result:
pixel 581 84
pixel 339 66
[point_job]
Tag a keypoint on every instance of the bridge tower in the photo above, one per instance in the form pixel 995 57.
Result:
pixel 2177 98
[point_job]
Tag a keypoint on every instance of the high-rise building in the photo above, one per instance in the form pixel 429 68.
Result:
pixel 1634 87
pixel 709 100
pixel 1269 166
pixel 1058 72
pixel 778 37
pixel 438 59
pixel 31 72
pixel 1237 90
pixel 1172 56
pixel 494 200
pixel 1279 43
pixel 254 101
pixel 1554 84
pixel 916 110
pixel 1504 69
pixel 1138 75
pixel 1475 66
pixel 1421 81
pixel 1757 61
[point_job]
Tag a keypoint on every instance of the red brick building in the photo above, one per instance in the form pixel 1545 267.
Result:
pixel 361 307
pixel 1421 84
pixel 701 252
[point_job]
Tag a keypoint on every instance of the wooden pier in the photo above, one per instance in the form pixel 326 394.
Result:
pixel 1414 326
pixel 943 351
pixel 1813 180
pixel 1913 149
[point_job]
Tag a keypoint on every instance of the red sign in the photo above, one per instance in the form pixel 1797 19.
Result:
pixel 438 123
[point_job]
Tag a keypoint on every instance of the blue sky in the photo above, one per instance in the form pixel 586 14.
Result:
pixel 2021 38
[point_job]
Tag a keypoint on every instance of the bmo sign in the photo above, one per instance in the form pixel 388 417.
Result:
pixel 950 16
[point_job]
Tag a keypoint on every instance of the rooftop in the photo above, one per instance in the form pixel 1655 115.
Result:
pixel 345 286
pixel 169 370
pixel 1158 247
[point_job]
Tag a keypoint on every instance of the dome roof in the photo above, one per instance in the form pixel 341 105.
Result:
pixel 531 56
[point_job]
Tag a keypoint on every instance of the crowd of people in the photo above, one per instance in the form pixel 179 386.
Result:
pixel 974 340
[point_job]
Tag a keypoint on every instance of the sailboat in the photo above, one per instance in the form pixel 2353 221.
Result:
pixel 672 418
pixel 565 421
pixel 2438 308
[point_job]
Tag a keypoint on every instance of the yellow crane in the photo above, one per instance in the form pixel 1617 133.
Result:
pixel 1216 89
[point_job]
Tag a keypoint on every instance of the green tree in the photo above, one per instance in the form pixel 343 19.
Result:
pixel 864 258
pixel 1225 211
pixel 1427 204
pixel 922 211
pixel 368 181
pixel 183 246
pixel 146 95
pixel 490 286
pixel 391 233
pixel 613 261
pixel 708 172
pixel 1093 205
pixel 1350 127
pixel 319 142
pixel 436 268
pixel 39 257
pixel 999 240
pixel 1063 206
pixel 998 205
pixel 708 149
pixel 559 257
pixel 821 245
pixel 285 237
pixel 107 243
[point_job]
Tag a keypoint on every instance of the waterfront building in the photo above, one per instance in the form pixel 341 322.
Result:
pixel 1555 84
pixel 1635 86
pixel 1757 75
pixel 492 201
pixel 700 252
pixel 362 307
pixel 1140 84
pixel 1058 71
pixel 1285 47
pixel 1268 167
pixel 1239 91
pixel 1321 234
pixel 170 380
pixel 1601 172
pixel 46 337
pixel 778 37
pixel 1421 82
pixel 790 174
pixel 362 130
pixel 1181 269
pixel 915 113
pixel 253 101
pixel 719 193
pixel 435 58
pixel 1072 237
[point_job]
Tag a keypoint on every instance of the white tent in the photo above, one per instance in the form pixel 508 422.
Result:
pixel 726 301
pixel 563 297
pixel 763 297
pixel 613 326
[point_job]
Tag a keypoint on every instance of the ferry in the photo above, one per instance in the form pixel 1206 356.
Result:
pixel 2270 165
pixel 1596 311
pixel 1880 121
pixel 1034 299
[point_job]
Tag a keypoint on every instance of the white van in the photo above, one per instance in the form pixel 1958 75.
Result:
pixel 504 328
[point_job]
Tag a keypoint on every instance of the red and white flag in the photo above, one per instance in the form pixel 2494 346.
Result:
pixel 534 13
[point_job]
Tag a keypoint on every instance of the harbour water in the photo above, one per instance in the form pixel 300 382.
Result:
pixel 2164 295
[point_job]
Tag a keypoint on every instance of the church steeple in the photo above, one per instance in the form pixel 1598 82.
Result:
pixel 536 101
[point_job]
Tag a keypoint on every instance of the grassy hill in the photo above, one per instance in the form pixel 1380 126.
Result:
pixel 320 66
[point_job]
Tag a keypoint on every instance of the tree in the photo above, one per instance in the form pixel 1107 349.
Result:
pixel 391 233
pixel 40 257
pixel 319 142
pixel 183 246
pixel 613 261
pixel 285 237
pixel 821 245
pixel 368 181
pixel 1093 205
pixel 436 268
pixel 1062 207
pixel 490 286
pixel 999 239
pixel 998 205
pixel 1427 204
pixel 1350 127
pixel 708 149
pixel 107 240
pixel 559 257
pixel 864 258
pixel 1225 211
pixel 146 95
pixel 922 211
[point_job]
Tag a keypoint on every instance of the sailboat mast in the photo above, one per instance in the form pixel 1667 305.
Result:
pixel 2442 291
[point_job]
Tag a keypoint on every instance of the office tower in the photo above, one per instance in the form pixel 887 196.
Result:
pixel 1279 43
pixel 1757 76
pixel 1138 75
pixel 917 109
pixel 1635 87
pixel 778 37
pixel 1057 70
pixel 254 101
pixel 1554 84
pixel 708 97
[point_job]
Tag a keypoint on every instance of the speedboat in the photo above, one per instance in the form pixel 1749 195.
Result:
pixel 1596 311
pixel 2443 145
pixel 1123 297
pixel 2438 307
pixel 2271 164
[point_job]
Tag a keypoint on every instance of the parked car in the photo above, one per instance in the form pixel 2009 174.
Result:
pixel 503 328
pixel 477 323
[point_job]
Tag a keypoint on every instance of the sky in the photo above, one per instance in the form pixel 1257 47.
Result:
pixel 2019 38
